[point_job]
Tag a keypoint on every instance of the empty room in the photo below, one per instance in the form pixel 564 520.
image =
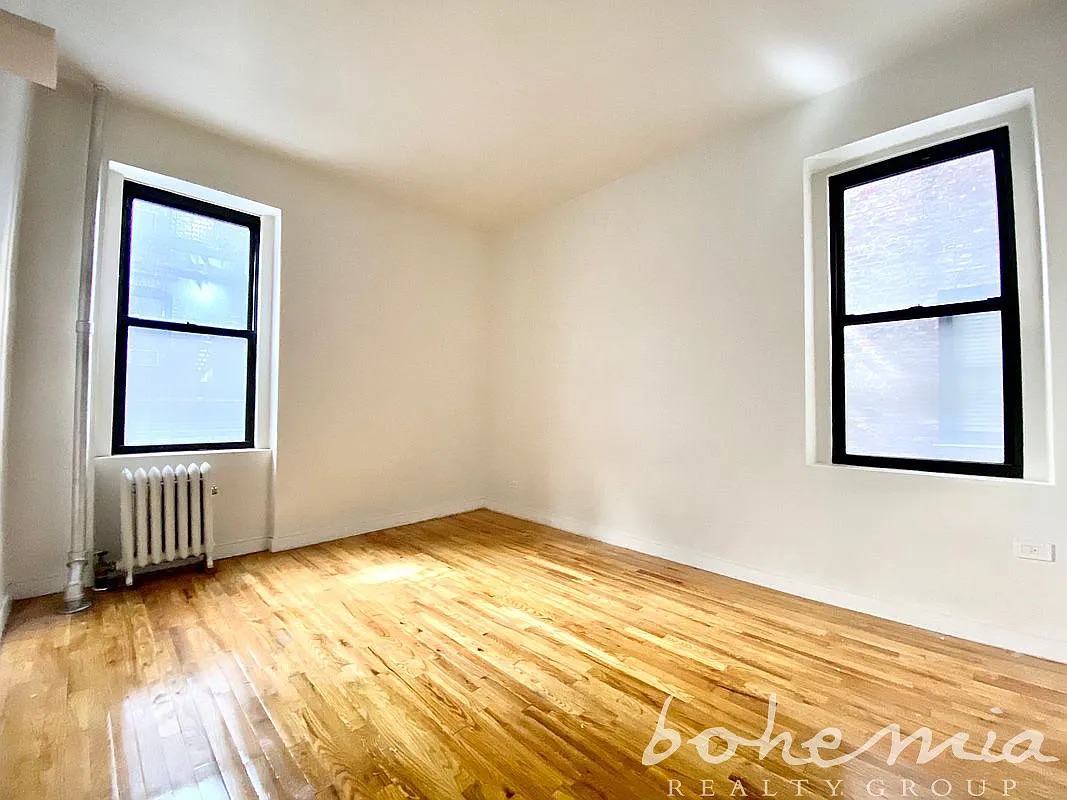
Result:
pixel 533 400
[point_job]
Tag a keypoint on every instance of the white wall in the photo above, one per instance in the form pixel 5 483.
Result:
pixel 382 383
pixel 649 370
pixel 14 121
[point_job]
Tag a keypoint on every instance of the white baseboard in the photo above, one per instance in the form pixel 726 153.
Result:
pixel 241 547
pixel 38 587
pixel 288 541
pixel 5 611
pixel 906 613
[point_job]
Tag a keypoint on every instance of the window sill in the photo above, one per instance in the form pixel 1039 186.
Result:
pixel 958 476
pixel 190 455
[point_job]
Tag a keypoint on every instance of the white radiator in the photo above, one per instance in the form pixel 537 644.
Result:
pixel 166 515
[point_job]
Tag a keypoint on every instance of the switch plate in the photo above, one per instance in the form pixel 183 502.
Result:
pixel 1035 551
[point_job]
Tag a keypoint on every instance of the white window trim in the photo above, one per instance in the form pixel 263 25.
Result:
pixel 1017 111
pixel 105 303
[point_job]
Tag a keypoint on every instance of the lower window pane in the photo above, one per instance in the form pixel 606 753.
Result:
pixel 926 388
pixel 184 388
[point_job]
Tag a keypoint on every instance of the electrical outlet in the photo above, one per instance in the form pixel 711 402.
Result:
pixel 513 484
pixel 1035 552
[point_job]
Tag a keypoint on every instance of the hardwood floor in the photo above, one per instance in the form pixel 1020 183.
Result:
pixel 480 656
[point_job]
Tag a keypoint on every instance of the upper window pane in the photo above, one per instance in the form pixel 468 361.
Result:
pixel 186 267
pixel 926 237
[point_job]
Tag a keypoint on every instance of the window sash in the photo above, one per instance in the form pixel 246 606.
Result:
pixel 1006 304
pixel 134 191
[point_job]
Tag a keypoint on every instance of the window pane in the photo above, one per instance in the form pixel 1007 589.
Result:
pixel 926 388
pixel 188 268
pixel 925 237
pixel 184 388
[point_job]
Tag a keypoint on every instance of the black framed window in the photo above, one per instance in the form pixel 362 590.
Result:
pixel 925 340
pixel 185 350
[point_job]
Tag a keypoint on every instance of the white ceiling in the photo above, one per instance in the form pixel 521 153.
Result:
pixel 487 109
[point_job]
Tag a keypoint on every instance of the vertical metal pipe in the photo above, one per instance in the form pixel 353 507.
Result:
pixel 74 596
